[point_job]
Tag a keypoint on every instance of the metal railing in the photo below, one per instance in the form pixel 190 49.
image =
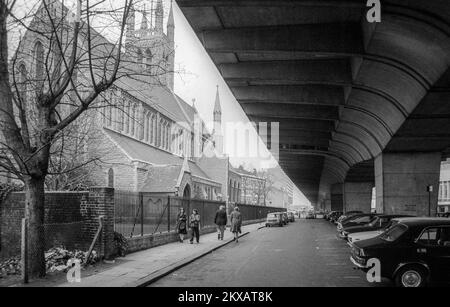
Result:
pixel 141 214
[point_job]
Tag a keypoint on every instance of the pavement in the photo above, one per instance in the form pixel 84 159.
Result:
pixel 144 267
pixel 302 254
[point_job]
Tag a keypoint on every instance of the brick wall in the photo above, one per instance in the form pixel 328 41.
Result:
pixel 62 218
pixel 99 203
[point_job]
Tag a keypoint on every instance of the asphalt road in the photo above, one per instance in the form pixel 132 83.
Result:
pixel 303 254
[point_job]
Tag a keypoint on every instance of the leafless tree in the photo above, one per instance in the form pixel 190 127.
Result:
pixel 72 67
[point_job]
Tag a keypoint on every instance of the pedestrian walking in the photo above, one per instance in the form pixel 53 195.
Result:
pixel 195 226
pixel 181 224
pixel 221 221
pixel 236 223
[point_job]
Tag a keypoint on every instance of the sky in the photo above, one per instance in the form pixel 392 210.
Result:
pixel 198 77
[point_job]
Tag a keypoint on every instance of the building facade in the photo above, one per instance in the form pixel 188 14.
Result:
pixel 444 188
pixel 144 137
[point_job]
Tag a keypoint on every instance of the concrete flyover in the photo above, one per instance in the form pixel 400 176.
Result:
pixel 359 104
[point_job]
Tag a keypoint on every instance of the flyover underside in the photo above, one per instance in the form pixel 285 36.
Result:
pixel 343 90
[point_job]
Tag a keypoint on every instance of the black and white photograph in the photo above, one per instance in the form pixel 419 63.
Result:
pixel 224 150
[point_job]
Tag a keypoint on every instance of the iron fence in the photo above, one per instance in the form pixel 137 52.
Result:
pixel 140 214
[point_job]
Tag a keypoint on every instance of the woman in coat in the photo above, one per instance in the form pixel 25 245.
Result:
pixel 236 223
pixel 181 224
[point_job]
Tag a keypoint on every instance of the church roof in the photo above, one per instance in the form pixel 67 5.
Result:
pixel 161 179
pixel 139 151
pixel 158 97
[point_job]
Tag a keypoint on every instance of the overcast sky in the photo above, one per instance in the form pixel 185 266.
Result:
pixel 198 79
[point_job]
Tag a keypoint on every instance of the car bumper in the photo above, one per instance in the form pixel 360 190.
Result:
pixel 358 263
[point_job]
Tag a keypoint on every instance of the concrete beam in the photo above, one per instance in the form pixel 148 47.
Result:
pixel 298 134
pixel 329 38
pixel 304 141
pixel 331 72
pixel 402 179
pixel 284 111
pixel 300 124
pixel 306 94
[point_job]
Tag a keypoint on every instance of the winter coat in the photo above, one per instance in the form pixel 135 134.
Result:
pixel 236 222
pixel 221 218
pixel 181 224
pixel 194 220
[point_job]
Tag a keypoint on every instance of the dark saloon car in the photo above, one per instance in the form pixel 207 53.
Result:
pixel 379 222
pixel 412 253
pixel 334 216
pixel 357 220
pixel 349 214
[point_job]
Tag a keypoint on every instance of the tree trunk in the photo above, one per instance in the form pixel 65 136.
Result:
pixel 34 212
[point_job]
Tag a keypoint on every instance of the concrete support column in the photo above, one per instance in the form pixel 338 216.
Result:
pixel 401 181
pixel 358 196
pixel 337 197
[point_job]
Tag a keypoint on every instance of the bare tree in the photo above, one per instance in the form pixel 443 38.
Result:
pixel 73 65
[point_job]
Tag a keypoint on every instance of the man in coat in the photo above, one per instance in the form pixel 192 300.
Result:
pixel 221 220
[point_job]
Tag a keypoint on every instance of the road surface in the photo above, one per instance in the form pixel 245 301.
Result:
pixel 303 254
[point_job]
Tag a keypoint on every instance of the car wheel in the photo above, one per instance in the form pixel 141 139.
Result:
pixel 411 277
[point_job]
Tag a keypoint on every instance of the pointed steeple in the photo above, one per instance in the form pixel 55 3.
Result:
pixel 217 133
pixel 171 24
pixel 217 107
pixel 144 23
pixel 159 17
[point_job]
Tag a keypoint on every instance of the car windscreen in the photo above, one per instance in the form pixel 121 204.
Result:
pixel 363 219
pixel 393 233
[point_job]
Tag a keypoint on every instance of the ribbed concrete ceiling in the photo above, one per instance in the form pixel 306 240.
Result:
pixel 343 89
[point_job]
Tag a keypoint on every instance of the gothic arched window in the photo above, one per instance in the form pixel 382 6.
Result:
pixel 110 178
pixel 146 125
pixel 153 129
pixel 127 117
pixel 140 57
pixel 22 83
pixel 132 119
pixel 148 58
pixel 39 60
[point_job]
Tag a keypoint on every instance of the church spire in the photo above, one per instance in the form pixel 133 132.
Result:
pixel 144 23
pixel 217 133
pixel 171 24
pixel 159 17
pixel 217 107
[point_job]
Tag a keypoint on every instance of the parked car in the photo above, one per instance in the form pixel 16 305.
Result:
pixel 444 215
pixel 412 253
pixel 357 220
pixel 310 216
pixel 274 219
pixel 359 236
pixel 379 222
pixel 348 214
pixel 291 216
pixel 334 216
pixel 319 214
pixel 285 218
